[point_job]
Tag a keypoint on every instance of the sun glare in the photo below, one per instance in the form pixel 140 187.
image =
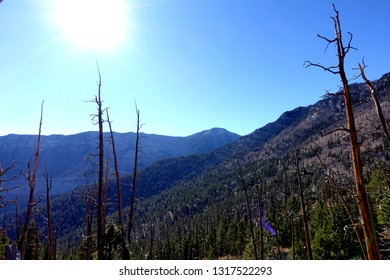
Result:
pixel 98 25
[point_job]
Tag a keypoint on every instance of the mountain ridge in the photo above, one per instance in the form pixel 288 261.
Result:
pixel 187 194
pixel 66 156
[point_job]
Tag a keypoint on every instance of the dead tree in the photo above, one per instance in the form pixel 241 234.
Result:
pixel 360 190
pixel 251 227
pixel 49 184
pixel 304 215
pixel 134 182
pixel 89 214
pixel 105 188
pixel 3 189
pixel 117 176
pixel 259 192
pixel 100 224
pixel 31 179
pixel 337 188
pixel 17 227
pixel 374 97
pixel 36 234
pixel 260 199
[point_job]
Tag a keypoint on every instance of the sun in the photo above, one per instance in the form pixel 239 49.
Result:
pixel 97 25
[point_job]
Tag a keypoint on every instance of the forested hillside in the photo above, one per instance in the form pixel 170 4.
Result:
pixel 242 200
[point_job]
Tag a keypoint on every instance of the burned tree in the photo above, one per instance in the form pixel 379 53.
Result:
pixel 49 184
pixel 360 190
pixel 117 176
pixel 3 189
pixel 100 224
pixel 374 97
pixel 245 188
pixel 31 179
pixel 304 215
pixel 134 182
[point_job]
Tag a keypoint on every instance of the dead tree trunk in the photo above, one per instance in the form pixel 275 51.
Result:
pixel 305 223
pixel 17 228
pixel 355 226
pixel 105 189
pixel 374 97
pixel 292 236
pixel 100 225
pixel 245 187
pixel 133 188
pixel 89 214
pixel 360 190
pixel 49 181
pixel 117 176
pixel 31 178
pixel 36 234
pixel 260 199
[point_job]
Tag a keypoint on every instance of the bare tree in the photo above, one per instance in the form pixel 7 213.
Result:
pixel 305 223
pixel 338 191
pixel 245 187
pixel 31 178
pixel 89 214
pixel 36 232
pixel 6 189
pixel 360 190
pixel 49 184
pixel 259 201
pixel 259 191
pixel 100 224
pixel 117 176
pixel 134 182
pixel 374 97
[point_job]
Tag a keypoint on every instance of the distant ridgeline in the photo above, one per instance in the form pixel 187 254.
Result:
pixel 229 197
pixel 68 158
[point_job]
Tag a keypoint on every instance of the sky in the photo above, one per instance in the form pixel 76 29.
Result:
pixel 189 65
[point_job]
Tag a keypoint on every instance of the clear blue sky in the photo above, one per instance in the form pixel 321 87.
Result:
pixel 190 64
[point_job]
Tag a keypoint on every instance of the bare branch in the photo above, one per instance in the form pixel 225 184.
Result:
pixel 90 198
pixel 3 205
pixel 330 94
pixel 328 69
pixel 339 128
pixel 330 41
pixel 349 47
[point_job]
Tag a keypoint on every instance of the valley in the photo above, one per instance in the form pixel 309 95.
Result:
pixel 218 195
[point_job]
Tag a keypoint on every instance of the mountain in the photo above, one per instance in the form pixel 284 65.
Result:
pixel 67 157
pixel 207 205
pixel 215 203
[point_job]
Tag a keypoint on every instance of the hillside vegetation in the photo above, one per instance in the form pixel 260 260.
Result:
pixel 242 200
